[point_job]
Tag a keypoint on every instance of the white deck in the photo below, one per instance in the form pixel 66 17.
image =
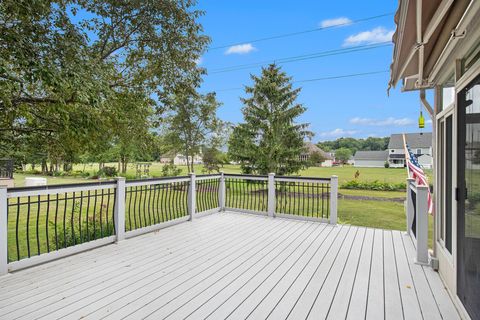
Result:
pixel 236 266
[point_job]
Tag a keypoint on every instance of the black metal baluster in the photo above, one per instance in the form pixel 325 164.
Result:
pixel 80 217
pixel 37 225
pixel 154 212
pixel 128 191
pixel 167 202
pixel 16 228
pixel 88 209
pixel 65 221
pixel 46 222
pixel 56 221
pixel 162 202
pixel 149 204
pixel 178 197
pixel 72 225
pixel 113 209
pixel 328 200
pixel 107 211
pixel 94 216
pixel 135 207
pixel 28 224
pixel 108 231
pixel 101 214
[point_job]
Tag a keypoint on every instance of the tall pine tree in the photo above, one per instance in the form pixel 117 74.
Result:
pixel 270 140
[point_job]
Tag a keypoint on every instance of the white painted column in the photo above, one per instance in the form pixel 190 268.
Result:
pixel 422 224
pixel 192 196
pixel 409 207
pixel 120 209
pixel 3 232
pixel 333 199
pixel 221 192
pixel 271 195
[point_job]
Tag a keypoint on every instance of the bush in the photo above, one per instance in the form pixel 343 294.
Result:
pixel 171 170
pixel 107 172
pixel 373 185
pixel 386 165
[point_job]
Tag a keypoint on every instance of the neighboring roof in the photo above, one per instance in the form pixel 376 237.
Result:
pixel 371 155
pixel 311 148
pixel 414 140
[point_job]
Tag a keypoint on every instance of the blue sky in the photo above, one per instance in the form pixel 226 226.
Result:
pixel 357 106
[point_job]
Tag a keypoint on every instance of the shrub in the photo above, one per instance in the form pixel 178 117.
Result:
pixel 373 185
pixel 171 170
pixel 107 172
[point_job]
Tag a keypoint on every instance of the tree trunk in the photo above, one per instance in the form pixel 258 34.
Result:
pixel 44 166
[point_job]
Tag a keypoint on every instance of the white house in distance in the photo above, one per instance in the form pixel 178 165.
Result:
pixel 181 160
pixel 370 159
pixel 419 143
pixel 437 47
pixel 312 148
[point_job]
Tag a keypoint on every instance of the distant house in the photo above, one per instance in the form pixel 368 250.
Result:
pixel 370 159
pixel 419 143
pixel 311 148
pixel 180 160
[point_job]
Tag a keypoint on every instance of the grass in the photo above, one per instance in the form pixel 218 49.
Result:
pixel 385 214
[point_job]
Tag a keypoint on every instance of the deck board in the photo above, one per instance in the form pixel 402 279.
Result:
pixel 235 266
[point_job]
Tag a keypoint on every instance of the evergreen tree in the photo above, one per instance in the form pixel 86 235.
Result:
pixel 270 140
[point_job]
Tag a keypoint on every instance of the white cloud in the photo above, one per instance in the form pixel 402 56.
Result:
pixel 241 49
pixel 379 34
pixel 338 133
pixel 382 122
pixel 341 21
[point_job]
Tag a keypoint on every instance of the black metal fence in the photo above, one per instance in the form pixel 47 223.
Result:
pixel 42 219
pixel 48 222
pixel 302 197
pixel 207 190
pixel 154 202
pixel 246 192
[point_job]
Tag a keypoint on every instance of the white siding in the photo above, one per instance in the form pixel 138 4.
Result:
pixel 369 163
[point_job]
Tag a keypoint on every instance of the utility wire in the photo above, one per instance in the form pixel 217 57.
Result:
pixel 285 35
pixel 321 78
pixel 310 56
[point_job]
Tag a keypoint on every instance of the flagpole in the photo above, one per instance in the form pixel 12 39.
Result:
pixel 407 154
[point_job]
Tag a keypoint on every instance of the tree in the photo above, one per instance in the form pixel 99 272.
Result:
pixel 270 140
pixel 191 122
pixel 212 159
pixel 62 72
pixel 343 154
pixel 315 159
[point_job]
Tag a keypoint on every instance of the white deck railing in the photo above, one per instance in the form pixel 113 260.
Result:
pixel 39 224
pixel 417 219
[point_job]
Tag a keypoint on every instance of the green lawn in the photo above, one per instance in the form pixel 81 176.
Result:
pixel 387 214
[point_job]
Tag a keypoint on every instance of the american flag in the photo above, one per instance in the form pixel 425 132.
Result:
pixel 417 173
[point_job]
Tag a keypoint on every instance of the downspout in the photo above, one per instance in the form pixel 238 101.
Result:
pixel 432 114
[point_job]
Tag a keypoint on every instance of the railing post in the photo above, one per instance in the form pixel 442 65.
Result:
pixel 333 199
pixel 3 232
pixel 422 224
pixel 221 192
pixel 271 195
pixel 120 209
pixel 409 207
pixel 191 196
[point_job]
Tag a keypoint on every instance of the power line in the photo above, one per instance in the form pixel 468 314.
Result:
pixel 310 56
pixel 285 35
pixel 361 74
